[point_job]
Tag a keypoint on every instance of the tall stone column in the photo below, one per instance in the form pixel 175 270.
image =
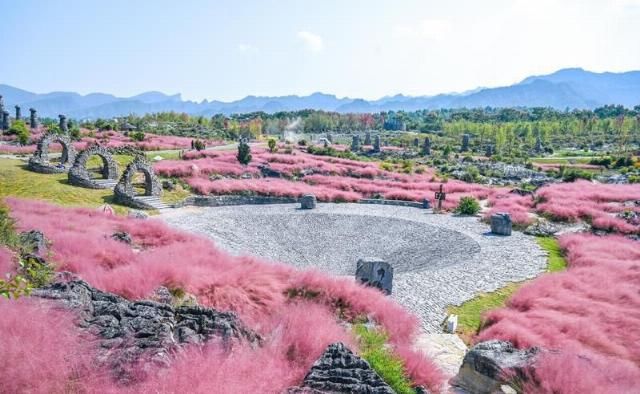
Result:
pixel 5 120
pixel 426 147
pixel 355 143
pixel 18 113
pixel 465 143
pixel 376 143
pixel 33 117
pixel 63 123
pixel 1 107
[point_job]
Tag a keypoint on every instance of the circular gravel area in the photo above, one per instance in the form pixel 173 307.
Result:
pixel 438 260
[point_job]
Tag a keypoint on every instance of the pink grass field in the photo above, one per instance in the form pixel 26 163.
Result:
pixel 590 313
pixel 296 331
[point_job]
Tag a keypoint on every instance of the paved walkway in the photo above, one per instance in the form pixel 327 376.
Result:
pixel 439 260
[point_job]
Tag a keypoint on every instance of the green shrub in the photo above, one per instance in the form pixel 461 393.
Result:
pixel 572 174
pixel 19 128
pixel 468 206
pixel 272 145
pixel 137 136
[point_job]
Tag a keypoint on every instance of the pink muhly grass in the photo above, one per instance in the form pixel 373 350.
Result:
pixel 7 261
pixel 295 332
pixel 591 310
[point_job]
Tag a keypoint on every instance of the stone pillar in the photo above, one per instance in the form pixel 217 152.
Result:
pixel 465 143
pixel 501 224
pixel 488 151
pixel 18 113
pixel 355 143
pixel 416 142
pixel 5 120
pixel 33 117
pixel 538 144
pixel 330 137
pixel 426 147
pixel 63 124
pixel 367 138
pixel 376 143
pixel 1 106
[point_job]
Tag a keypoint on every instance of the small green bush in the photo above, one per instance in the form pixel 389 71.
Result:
pixel 244 153
pixel 468 206
pixel 272 145
pixel 137 136
pixel 19 128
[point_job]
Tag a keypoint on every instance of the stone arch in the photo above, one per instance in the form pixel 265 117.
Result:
pixel 80 176
pixel 39 162
pixel 124 192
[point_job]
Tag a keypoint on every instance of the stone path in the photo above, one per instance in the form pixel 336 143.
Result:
pixel 153 201
pixel 439 260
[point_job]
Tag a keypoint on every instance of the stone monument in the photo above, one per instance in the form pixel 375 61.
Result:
pixel 367 138
pixel 375 273
pixel 501 224
pixel 5 120
pixel 18 113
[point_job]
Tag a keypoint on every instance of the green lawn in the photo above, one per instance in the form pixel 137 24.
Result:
pixel 470 313
pixel 17 181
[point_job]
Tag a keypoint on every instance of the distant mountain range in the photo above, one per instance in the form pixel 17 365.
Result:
pixel 566 88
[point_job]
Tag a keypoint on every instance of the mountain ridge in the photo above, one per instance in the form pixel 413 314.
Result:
pixel 573 88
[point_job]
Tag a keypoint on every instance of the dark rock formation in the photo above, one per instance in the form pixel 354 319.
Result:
pixel 338 370
pixel 501 224
pixel 137 335
pixel 33 242
pixel 39 162
pixel 367 138
pixel 64 127
pixel 426 147
pixel 267 171
pixel 122 236
pixel 168 185
pixel 542 228
pixel 491 364
pixel 376 144
pixel 308 201
pixel 33 118
pixel 355 143
pixel 6 123
pixel 18 113
pixel 465 143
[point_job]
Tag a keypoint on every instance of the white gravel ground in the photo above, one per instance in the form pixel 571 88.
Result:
pixel 439 260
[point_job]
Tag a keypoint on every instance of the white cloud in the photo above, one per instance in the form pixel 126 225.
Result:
pixel 247 49
pixel 311 41
pixel 426 29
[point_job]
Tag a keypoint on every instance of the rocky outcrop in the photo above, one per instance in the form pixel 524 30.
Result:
pixel 123 237
pixel 338 370
pixel 542 228
pixel 135 336
pixel 490 365
pixel 33 242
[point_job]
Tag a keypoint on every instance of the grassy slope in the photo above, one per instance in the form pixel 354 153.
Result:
pixel 470 313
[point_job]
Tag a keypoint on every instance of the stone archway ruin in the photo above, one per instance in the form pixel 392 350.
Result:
pixel 39 162
pixel 79 174
pixel 124 191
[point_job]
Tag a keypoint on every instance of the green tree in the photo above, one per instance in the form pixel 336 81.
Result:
pixel 244 153
pixel 272 145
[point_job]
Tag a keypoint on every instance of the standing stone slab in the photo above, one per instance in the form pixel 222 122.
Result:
pixel 501 224
pixel 416 142
pixel 367 138
pixel 375 273
pixel 308 201
pixel 18 113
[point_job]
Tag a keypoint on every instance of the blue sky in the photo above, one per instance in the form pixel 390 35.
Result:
pixel 226 50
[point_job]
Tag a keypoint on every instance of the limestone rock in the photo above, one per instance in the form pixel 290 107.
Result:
pixel 143 333
pixel 487 365
pixel 542 228
pixel 338 370
pixel 375 273
pixel 308 201
pixel 33 242
pixel 135 214
pixel 501 224
pixel 122 236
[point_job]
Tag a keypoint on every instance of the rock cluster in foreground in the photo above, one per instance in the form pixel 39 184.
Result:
pixel 338 370
pixel 137 336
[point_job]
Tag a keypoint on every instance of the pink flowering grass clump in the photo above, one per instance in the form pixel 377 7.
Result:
pixel 589 312
pixel 42 351
pixel 597 203
pixel 295 311
pixel 517 206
